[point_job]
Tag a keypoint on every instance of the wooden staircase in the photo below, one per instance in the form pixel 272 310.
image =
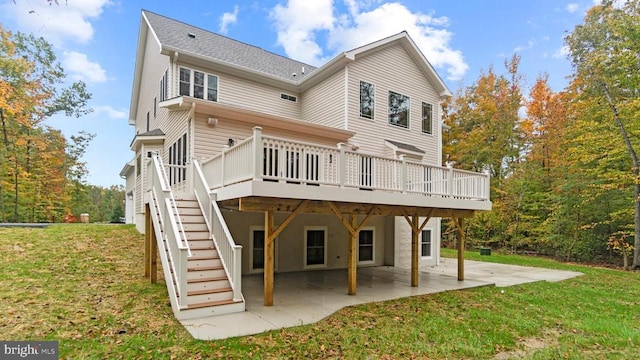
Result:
pixel 209 291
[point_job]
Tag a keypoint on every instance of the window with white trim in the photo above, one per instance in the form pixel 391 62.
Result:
pixel 425 243
pixel 427 118
pixel 366 246
pixel 367 98
pixel 257 248
pixel 178 160
pixel 315 250
pixel 399 106
pixel 164 86
pixel 198 84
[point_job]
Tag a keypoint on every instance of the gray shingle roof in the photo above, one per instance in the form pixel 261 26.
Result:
pixel 404 146
pixel 175 35
pixel 154 132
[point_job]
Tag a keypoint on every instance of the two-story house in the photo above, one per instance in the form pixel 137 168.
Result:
pixel 249 162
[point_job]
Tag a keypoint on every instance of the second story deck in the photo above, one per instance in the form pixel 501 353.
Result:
pixel 276 168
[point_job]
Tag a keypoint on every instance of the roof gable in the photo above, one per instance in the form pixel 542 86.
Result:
pixel 414 52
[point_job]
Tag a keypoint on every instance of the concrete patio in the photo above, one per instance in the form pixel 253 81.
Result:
pixel 307 297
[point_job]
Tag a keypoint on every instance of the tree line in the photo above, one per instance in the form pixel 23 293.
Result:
pixel 42 175
pixel 564 165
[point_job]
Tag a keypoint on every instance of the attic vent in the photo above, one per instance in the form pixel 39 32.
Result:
pixel 288 97
pixel 191 35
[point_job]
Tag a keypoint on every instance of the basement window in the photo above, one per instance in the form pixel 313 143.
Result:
pixel 288 97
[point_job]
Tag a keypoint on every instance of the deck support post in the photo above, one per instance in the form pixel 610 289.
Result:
pixel 352 226
pixel 271 232
pixel 352 272
pixel 150 248
pixel 269 240
pixel 147 242
pixel 416 230
pixel 415 246
pixel 152 260
pixel 461 238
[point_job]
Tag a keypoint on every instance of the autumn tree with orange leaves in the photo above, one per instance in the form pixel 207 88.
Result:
pixel 35 161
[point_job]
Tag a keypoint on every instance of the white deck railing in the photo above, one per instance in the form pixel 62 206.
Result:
pixel 162 200
pixel 279 159
pixel 230 253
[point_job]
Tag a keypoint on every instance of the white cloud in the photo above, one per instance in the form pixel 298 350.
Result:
pixel 228 19
pixel 297 25
pixel 573 7
pixel 68 21
pixel 110 112
pixel 302 25
pixel 79 67
pixel 530 45
pixel 561 53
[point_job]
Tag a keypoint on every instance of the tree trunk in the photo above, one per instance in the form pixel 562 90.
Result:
pixel 636 174
pixel 6 146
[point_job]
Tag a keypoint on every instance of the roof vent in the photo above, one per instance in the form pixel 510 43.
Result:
pixel 191 35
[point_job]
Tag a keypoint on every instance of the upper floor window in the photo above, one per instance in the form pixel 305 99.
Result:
pixel 198 84
pixel 367 94
pixel 427 118
pixel 164 86
pixel 398 109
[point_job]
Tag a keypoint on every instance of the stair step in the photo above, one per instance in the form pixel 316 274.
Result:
pixel 209 297
pixel 192 219
pixel 189 211
pixel 187 204
pixel 200 274
pixel 206 253
pixel 195 281
pixel 204 268
pixel 204 244
pixel 208 291
pixel 213 303
pixel 193 227
pixel 197 235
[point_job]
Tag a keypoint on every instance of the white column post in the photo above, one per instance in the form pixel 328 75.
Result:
pixel 403 174
pixel 342 165
pixel 258 153
pixel 450 179
pixel 487 185
pixel 222 164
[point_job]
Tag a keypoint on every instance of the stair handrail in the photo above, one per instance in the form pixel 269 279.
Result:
pixel 230 253
pixel 172 229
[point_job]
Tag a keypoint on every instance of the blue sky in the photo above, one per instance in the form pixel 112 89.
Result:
pixel 95 41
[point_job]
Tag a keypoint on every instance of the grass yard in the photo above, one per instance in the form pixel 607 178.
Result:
pixel 83 286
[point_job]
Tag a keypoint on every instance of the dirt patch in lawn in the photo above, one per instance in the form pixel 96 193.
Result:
pixel 528 345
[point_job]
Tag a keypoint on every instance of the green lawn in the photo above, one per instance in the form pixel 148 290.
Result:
pixel 83 286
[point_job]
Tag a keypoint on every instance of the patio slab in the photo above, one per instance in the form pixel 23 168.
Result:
pixel 307 297
pixel 502 274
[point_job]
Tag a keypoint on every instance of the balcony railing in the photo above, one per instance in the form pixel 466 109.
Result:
pixel 271 158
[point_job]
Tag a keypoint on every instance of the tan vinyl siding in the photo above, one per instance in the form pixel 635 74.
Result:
pixel 173 129
pixel 402 76
pixel 210 140
pixel 290 245
pixel 324 103
pixel 233 90
pixel 154 66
